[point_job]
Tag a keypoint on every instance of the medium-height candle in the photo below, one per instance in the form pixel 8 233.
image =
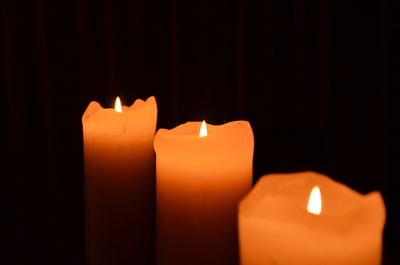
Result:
pixel 201 177
pixel 309 219
pixel 119 162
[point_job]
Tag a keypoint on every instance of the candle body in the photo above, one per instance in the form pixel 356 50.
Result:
pixel 200 181
pixel 119 163
pixel 275 227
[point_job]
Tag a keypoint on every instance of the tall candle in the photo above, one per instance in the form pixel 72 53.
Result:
pixel 308 218
pixel 119 163
pixel 201 177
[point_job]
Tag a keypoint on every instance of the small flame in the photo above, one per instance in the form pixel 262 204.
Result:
pixel 315 203
pixel 203 129
pixel 118 107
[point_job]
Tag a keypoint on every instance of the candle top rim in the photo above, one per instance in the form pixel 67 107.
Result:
pixel 231 139
pixel 192 128
pixel 271 200
pixel 94 109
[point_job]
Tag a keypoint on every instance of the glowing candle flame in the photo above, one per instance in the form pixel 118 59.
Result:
pixel 315 203
pixel 118 107
pixel 203 129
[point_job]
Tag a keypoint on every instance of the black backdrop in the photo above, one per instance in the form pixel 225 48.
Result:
pixel 316 79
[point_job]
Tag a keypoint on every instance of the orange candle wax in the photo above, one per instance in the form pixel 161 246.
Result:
pixel 119 162
pixel 309 219
pixel 201 177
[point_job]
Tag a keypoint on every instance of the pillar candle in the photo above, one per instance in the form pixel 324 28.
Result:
pixel 282 222
pixel 201 178
pixel 119 162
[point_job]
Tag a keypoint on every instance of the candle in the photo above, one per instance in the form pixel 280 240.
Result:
pixel 308 218
pixel 119 162
pixel 201 177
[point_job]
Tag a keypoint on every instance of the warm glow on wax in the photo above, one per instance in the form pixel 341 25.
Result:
pixel 118 107
pixel 314 203
pixel 203 129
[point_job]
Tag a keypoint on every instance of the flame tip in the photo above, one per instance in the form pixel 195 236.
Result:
pixel 118 106
pixel 203 129
pixel 314 202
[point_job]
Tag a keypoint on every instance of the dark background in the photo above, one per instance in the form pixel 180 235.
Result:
pixel 318 80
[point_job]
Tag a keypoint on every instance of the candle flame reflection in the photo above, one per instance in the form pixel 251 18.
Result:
pixel 315 202
pixel 203 129
pixel 118 107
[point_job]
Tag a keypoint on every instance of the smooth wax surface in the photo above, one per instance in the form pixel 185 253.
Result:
pixel 200 181
pixel 275 227
pixel 119 162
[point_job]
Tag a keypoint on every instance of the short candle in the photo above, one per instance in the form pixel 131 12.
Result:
pixel 309 219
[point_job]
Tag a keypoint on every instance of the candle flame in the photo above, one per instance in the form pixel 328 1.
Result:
pixel 315 202
pixel 118 107
pixel 203 129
